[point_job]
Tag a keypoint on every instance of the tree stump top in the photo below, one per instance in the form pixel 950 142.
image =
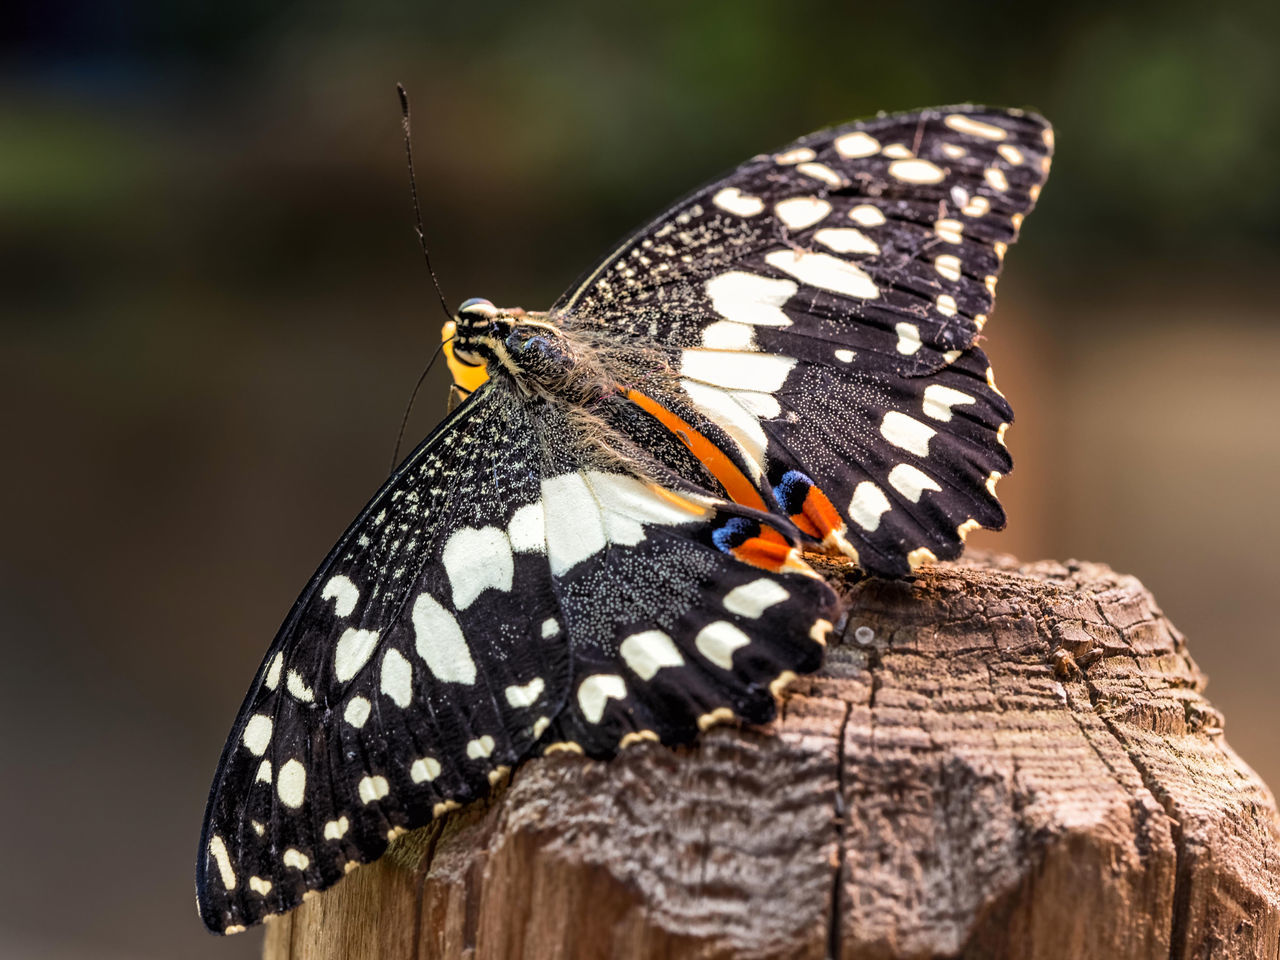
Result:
pixel 997 760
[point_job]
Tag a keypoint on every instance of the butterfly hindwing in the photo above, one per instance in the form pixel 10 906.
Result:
pixel 500 596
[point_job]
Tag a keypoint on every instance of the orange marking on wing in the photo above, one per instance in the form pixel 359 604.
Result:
pixel 818 516
pixel 735 482
pixel 763 553
pixel 770 551
pixel 675 499
pixel 469 376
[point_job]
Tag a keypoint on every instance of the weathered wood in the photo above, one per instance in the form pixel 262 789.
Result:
pixel 996 761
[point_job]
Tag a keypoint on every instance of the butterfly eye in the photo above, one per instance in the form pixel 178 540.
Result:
pixel 476 311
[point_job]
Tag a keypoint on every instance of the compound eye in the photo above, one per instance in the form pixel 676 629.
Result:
pixel 477 308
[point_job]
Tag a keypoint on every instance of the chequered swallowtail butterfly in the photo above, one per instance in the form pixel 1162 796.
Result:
pixel 602 544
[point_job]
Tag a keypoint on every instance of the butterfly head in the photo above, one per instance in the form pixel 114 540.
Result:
pixel 483 335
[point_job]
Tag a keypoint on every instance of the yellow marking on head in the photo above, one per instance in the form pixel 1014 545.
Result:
pixel 467 376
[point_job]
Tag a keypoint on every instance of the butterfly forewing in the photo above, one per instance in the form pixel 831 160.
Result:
pixel 821 305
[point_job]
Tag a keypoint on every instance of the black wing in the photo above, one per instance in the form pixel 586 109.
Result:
pixel 822 304
pixel 497 598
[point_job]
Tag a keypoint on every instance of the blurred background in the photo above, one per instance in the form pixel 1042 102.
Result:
pixel 214 309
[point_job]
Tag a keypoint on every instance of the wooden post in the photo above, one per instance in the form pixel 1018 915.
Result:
pixel 998 760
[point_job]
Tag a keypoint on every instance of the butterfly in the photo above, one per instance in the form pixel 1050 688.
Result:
pixel 604 543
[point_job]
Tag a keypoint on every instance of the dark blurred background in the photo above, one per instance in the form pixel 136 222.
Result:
pixel 214 309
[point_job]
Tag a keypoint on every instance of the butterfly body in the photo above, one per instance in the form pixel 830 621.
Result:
pixel 603 544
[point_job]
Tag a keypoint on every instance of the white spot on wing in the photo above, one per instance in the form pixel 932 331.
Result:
pixel 906 433
pixel 353 650
pixel 867 506
pixel 939 399
pixel 527 529
pixel 1011 153
pixel 297 687
pixel 735 370
pixel 799 213
pixel 853 146
pixel 550 627
pixel 264 772
pixel 260 886
pixel 648 652
pixel 845 356
pixel 296 859
pixel 729 335
pixel 976 207
pixel 257 734
pixel 911 482
pixel 948 266
pixel 343 593
pixel 480 747
pixel 477 560
pixel 736 202
pixel 424 770
pixel 946 305
pixel 718 640
pixel 847 240
pixel 820 171
pixel 291 783
pixel 586 511
pixel 439 641
pixel 866 215
pixel 908 338
pixel 357 711
pixel 373 788
pixel 754 598
pixel 747 298
pixel 974 128
pixel 397 678
pixel 597 690
pixel 996 179
pixel 798 155
pixel 574 527
pixel 218 849
pixel 525 695
pixel 948 230
pixel 916 171
pixel 336 829
pixel 825 271
pixel 273 672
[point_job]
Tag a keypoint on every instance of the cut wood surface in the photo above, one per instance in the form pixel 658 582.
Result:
pixel 997 760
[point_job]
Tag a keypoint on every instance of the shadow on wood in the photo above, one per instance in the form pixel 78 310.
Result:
pixel 997 760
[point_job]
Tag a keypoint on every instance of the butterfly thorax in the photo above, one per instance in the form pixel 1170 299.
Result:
pixel 527 351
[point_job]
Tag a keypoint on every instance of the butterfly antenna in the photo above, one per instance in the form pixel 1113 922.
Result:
pixel 413 192
pixel 404 421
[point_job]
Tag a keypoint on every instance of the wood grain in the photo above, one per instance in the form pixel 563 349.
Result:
pixel 997 760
